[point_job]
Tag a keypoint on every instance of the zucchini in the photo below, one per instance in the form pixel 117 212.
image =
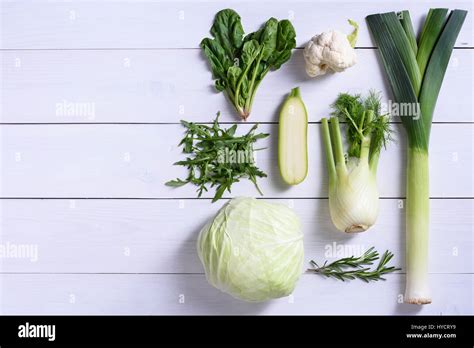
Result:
pixel 292 139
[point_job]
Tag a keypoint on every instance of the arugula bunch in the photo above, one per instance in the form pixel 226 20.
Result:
pixel 210 164
pixel 239 63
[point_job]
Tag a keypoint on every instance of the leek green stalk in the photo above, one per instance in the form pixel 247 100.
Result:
pixel 415 71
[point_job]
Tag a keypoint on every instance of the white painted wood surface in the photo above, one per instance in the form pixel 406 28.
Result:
pixel 129 161
pixel 182 24
pixel 159 236
pixel 87 190
pixel 190 293
pixel 147 86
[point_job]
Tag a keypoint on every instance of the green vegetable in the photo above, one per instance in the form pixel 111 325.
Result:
pixel 350 268
pixel 415 71
pixel 292 139
pixel 352 37
pixel 353 193
pixel 218 157
pixel 252 250
pixel 239 63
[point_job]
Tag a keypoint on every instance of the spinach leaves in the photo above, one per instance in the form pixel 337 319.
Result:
pixel 239 63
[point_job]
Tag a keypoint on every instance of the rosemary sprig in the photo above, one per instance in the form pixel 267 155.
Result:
pixel 349 268
pixel 217 157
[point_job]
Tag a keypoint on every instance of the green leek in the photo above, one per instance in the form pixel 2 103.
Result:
pixel 415 71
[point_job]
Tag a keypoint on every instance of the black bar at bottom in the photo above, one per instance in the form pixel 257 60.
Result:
pixel 291 330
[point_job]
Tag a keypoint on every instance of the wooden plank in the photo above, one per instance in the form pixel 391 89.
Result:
pixel 191 294
pixel 153 24
pixel 159 236
pixel 118 161
pixel 168 85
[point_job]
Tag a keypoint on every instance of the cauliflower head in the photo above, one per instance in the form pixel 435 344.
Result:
pixel 331 50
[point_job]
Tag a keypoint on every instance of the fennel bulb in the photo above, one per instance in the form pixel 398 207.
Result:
pixel 353 197
pixel 252 250
pixel 353 193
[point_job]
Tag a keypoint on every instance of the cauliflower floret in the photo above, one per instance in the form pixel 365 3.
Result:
pixel 330 50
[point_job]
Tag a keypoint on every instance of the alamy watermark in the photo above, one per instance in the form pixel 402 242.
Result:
pixel 19 251
pixel 401 109
pixel 28 330
pixel 335 250
pixel 75 109
pixel 231 156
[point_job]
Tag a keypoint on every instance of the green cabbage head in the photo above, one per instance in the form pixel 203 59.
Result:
pixel 252 250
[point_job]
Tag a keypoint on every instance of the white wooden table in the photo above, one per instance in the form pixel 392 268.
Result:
pixel 86 187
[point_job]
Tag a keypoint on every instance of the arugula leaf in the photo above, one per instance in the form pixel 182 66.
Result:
pixel 239 63
pixel 176 183
pixel 211 164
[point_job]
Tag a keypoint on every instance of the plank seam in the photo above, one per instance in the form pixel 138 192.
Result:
pixel 178 123
pixel 163 48
pixel 178 273
pixel 203 198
